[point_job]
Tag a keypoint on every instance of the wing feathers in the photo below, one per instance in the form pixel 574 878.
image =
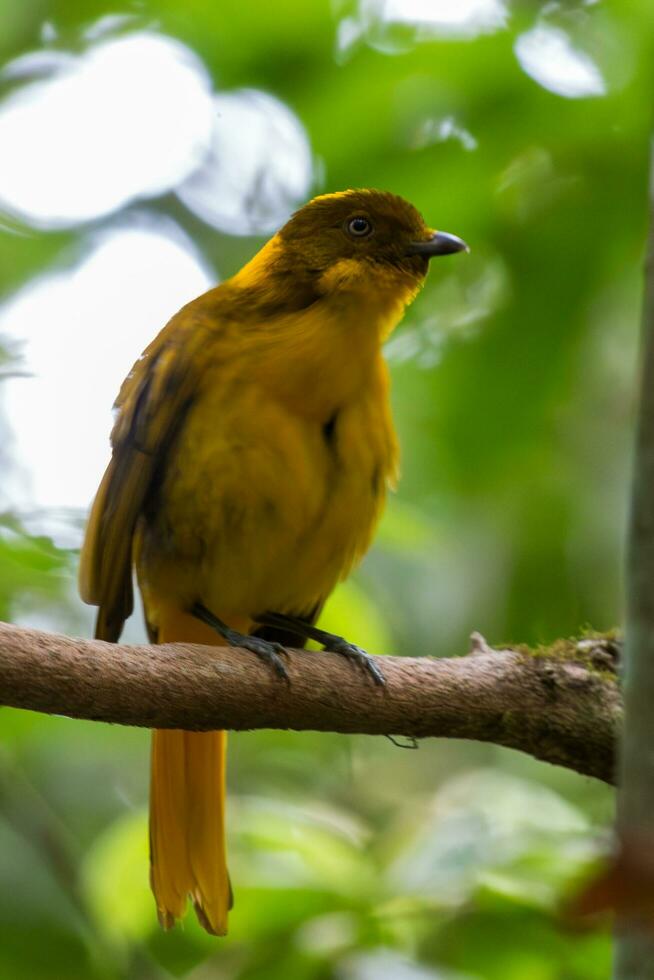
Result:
pixel 151 405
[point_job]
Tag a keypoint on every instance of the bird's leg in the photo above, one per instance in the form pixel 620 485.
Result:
pixel 330 641
pixel 266 650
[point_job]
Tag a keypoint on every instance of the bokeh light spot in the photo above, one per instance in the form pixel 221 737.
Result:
pixel 433 130
pixel 547 55
pixel 462 19
pixel 259 167
pixel 79 331
pixel 130 117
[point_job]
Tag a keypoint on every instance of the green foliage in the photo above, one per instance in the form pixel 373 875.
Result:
pixel 513 391
pixel 31 568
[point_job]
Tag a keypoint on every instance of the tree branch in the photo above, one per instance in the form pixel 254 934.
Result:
pixel 560 704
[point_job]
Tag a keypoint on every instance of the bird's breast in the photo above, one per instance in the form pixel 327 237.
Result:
pixel 264 507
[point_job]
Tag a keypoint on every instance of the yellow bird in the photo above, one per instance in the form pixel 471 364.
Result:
pixel 252 450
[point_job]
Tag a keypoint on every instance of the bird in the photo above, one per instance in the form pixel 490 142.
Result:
pixel 252 451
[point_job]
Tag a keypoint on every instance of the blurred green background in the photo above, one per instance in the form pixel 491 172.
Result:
pixel 146 150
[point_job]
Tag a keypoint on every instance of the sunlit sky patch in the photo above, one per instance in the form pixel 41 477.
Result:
pixel 79 331
pixel 129 118
pixel 259 167
pixel 547 55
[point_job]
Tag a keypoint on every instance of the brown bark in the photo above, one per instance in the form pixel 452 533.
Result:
pixel 635 823
pixel 561 705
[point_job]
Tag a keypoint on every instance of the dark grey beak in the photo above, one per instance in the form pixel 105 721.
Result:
pixel 441 243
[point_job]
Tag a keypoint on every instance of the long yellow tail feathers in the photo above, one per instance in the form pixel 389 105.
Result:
pixel 205 773
pixel 187 827
pixel 187 810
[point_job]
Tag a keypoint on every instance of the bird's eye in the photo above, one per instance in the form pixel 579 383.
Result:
pixel 359 227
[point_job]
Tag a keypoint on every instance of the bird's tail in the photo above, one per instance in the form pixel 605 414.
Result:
pixel 187 811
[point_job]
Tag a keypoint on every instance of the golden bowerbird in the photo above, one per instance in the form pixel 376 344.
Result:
pixel 253 446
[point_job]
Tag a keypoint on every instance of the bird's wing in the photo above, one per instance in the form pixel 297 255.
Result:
pixel 151 405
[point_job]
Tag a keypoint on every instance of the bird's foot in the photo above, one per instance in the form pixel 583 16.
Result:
pixel 267 650
pixel 330 641
pixel 338 644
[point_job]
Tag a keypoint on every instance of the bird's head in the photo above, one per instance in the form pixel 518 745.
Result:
pixel 359 239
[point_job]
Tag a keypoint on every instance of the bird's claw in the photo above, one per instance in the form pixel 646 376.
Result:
pixel 267 650
pixel 358 656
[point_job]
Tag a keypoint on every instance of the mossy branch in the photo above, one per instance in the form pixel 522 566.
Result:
pixel 561 704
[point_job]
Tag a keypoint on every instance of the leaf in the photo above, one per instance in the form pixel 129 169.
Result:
pixel 115 879
pixel 350 612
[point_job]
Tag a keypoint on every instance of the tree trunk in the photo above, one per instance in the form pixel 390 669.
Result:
pixel 635 823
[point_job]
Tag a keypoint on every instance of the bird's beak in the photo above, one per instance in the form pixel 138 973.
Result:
pixel 440 243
